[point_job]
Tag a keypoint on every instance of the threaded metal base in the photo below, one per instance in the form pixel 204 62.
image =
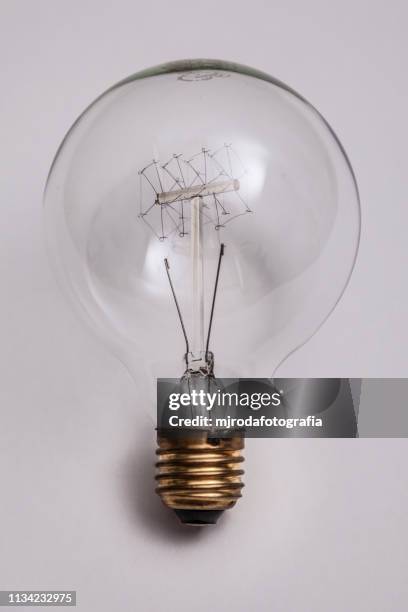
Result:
pixel 198 473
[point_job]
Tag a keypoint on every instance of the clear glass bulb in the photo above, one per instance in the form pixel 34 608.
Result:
pixel 161 171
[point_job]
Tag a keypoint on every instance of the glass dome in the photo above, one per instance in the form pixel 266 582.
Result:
pixel 174 162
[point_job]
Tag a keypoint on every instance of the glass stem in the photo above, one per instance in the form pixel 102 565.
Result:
pixel 197 265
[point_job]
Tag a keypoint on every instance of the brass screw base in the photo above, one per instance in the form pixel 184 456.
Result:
pixel 195 473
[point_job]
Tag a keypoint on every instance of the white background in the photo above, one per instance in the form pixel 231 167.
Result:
pixel 323 524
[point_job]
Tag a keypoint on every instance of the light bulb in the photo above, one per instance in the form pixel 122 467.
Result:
pixel 205 219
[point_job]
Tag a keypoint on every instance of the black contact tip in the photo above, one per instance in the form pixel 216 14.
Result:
pixel 198 518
